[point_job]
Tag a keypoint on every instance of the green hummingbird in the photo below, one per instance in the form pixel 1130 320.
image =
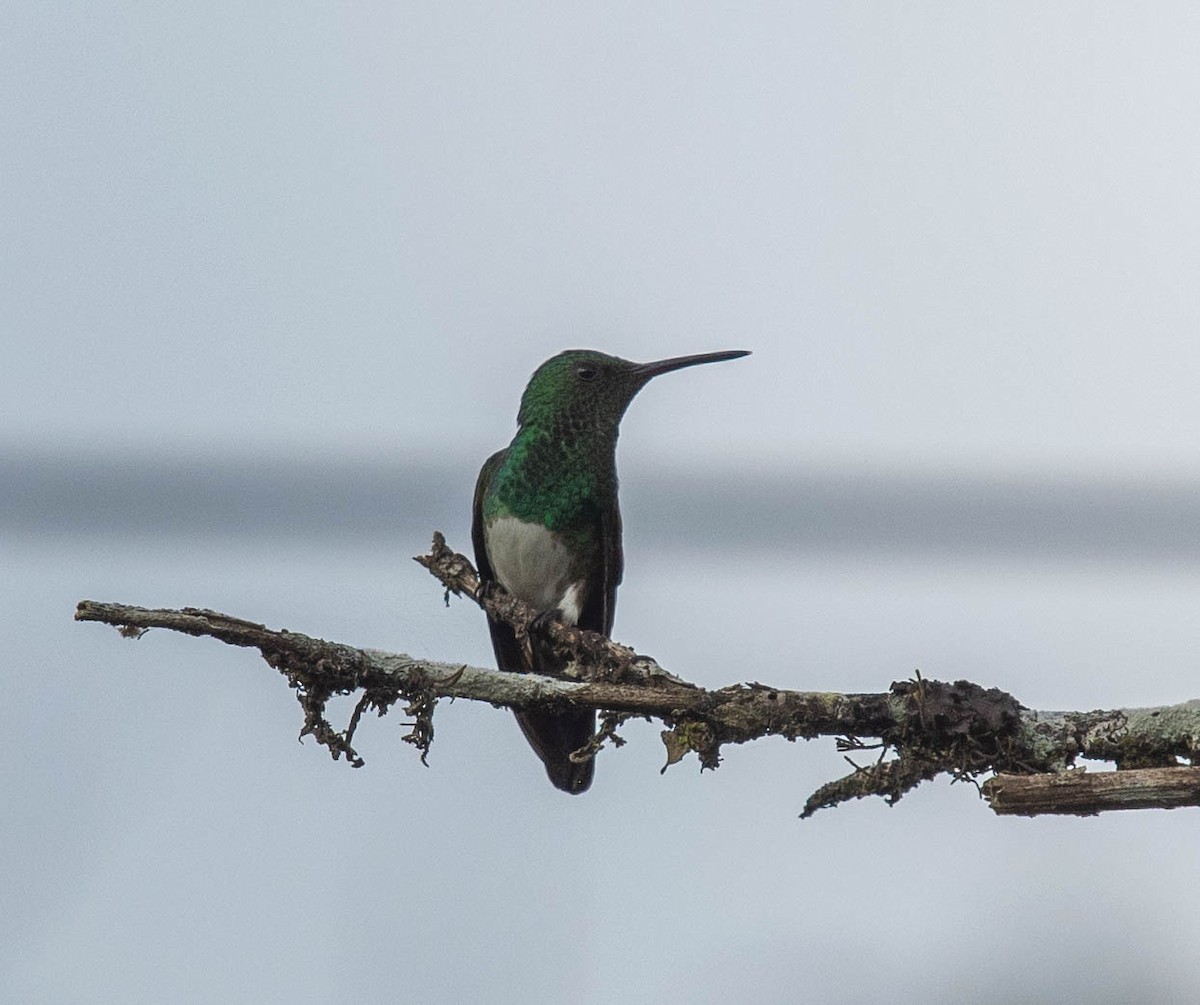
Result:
pixel 547 527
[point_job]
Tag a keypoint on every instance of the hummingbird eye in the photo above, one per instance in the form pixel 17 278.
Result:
pixel 586 372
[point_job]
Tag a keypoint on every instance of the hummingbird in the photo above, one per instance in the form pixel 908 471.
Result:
pixel 546 525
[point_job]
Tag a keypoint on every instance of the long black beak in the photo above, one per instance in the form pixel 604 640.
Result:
pixel 648 370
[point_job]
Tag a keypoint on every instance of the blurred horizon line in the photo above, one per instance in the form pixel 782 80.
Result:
pixel 864 510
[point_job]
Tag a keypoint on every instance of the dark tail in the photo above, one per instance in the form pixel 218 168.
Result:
pixel 554 736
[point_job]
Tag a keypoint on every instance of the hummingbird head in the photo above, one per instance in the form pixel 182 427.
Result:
pixel 591 390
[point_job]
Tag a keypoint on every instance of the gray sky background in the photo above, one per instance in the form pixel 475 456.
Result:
pixel 952 234
pixel 274 276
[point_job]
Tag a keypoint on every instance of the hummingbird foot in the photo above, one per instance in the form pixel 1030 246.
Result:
pixel 541 624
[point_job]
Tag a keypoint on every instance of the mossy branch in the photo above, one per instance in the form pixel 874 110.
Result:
pixel 923 728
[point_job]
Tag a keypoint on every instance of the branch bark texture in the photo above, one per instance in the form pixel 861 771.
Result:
pixel 922 728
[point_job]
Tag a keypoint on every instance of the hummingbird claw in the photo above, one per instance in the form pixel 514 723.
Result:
pixel 541 624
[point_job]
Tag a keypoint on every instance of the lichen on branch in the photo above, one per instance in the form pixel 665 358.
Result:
pixel 923 728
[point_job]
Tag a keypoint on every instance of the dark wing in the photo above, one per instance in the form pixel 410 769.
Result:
pixel 600 605
pixel 504 641
pixel 490 467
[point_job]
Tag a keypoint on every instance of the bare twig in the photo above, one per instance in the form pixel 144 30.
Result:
pixel 1085 793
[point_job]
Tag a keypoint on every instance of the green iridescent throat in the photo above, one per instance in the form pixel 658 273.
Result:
pixel 555 480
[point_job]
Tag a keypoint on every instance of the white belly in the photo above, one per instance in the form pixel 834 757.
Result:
pixel 532 563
